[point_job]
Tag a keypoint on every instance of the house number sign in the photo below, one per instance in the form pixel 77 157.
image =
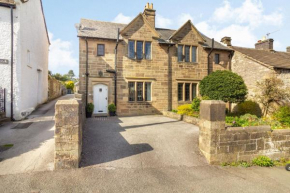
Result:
pixel 3 61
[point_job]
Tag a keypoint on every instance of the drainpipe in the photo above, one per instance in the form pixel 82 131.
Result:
pixel 169 79
pixel 211 50
pixel 87 73
pixel 12 51
pixel 116 54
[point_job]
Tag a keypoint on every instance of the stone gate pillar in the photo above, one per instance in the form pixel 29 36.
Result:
pixel 68 137
pixel 212 122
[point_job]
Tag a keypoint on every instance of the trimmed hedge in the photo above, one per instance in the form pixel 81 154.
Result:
pixel 224 85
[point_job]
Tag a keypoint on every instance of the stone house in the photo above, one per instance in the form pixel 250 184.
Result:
pixel 156 69
pixel 28 55
pixel 254 64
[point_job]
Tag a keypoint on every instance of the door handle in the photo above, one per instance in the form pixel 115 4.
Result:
pixel 106 98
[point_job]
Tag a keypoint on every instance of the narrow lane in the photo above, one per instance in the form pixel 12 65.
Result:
pixel 32 140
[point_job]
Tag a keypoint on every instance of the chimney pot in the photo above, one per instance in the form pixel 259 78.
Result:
pixel 288 49
pixel 149 14
pixel 267 44
pixel 227 40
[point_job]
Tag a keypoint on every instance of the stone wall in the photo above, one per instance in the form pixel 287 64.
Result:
pixel 222 144
pixel 69 120
pixel 185 118
pixel 55 88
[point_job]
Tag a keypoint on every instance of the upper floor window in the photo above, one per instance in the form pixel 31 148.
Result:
pixel 148 50
pixel 216 58
pixel 187 53
pixel 143 50
pixel 194 54
pixel 100 50
pixel 131 49
pixel 180 53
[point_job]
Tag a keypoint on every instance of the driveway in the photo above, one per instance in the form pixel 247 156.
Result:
pixel 33 142
pixel 140 142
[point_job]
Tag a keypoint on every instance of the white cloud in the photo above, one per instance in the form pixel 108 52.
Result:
pixel 184 17
pixel 241 35
pixel 61 54
pixel 251 12
pixel 120 18
pixel 163 22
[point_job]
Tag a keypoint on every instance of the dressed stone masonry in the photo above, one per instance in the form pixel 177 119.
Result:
pixel 69 119
pixel 221 144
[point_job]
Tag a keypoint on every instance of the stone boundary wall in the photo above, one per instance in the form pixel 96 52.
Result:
pixel 69 121
pixel 222 144
pixel 55 88
pixel 185 118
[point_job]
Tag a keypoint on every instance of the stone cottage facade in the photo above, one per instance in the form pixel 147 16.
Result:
pixel 157 69
pixel 254 64
pixel 30 55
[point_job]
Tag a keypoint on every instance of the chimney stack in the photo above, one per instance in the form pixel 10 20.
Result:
pixel 227 41
pixel 149 14
pixel 288 49
pixel 267 44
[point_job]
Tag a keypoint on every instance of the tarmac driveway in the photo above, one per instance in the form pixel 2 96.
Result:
pixel 140 142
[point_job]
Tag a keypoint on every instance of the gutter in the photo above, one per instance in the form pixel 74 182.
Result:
pixel 211 50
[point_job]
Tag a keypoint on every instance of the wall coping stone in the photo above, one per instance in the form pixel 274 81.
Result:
pixel 262 128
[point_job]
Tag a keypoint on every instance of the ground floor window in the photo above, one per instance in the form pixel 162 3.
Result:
pixel 139 91
pixel 186 91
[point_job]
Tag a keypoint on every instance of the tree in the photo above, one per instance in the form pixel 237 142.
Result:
pixel 224 85
pixel 60 77
pixel 71 74
pixel 270 92
pixel 70 85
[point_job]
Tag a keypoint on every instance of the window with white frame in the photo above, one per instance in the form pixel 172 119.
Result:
pixel 187 53
pixel 139 91
pixel 186 91
pixel 139 50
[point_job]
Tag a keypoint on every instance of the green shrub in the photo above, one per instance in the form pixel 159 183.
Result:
pixel 90 107
pixel 224 85
pixel 70 85
pixel 195 105
pixel 248 107
pixel 283 115
pixel 174 111
pixel 263 161
pixel 186 110
pixel 112 108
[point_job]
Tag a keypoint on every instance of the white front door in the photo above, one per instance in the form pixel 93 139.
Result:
pixel 101 98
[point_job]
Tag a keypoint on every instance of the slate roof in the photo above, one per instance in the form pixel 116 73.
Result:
pixel 12 2
pixel 272 59
pixel 108 30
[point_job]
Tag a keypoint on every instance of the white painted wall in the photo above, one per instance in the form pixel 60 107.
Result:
pixel 30 75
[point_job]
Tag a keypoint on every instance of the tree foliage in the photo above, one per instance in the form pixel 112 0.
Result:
pixel 271 91
pixel 70 85
pixel 224 85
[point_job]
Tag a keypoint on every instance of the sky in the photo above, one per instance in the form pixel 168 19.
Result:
pixel 245 21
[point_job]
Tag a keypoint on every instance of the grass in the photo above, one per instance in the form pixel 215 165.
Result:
pixel 261 161
pixel 8 145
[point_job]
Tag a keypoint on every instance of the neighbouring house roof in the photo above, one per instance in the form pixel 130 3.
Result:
pixel 12 2
pixel 271 59
pixel 108 30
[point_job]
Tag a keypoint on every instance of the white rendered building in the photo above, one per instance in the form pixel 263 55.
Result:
pixel 30 55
